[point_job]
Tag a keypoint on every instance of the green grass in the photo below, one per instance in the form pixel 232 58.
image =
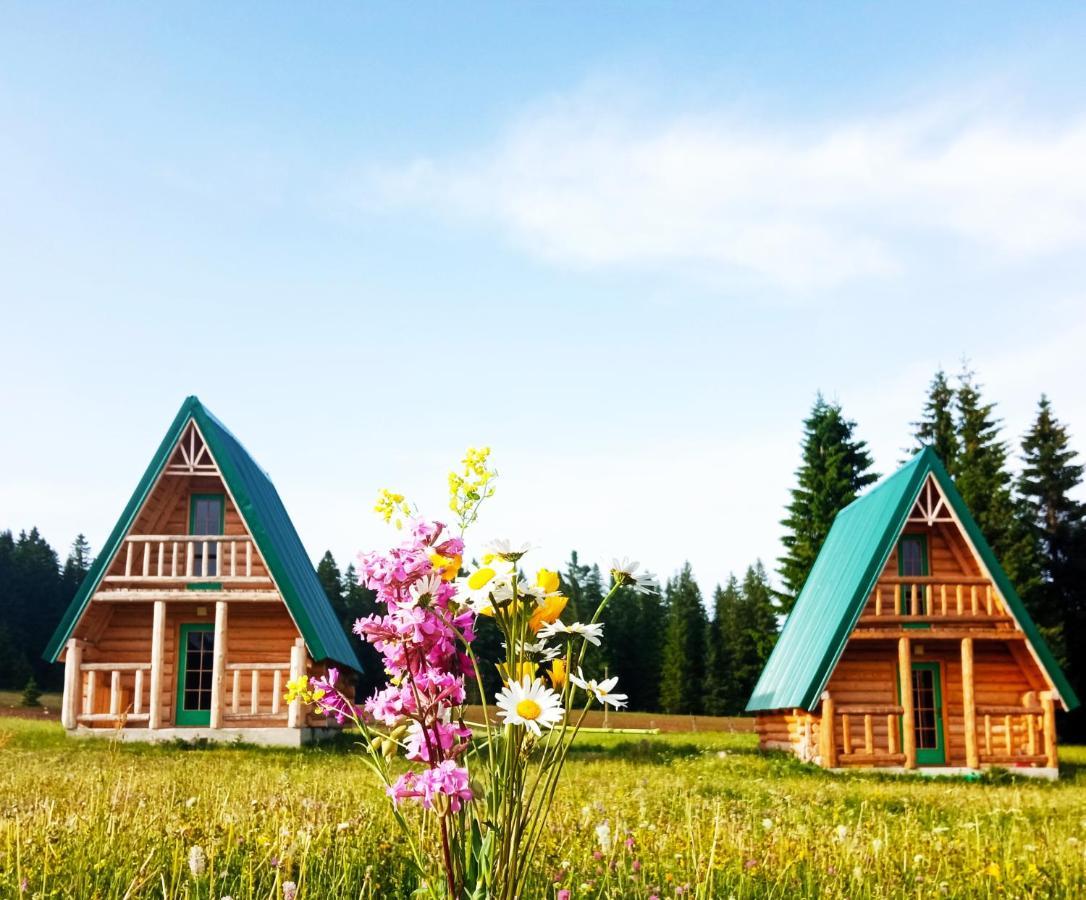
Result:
pixel 100 820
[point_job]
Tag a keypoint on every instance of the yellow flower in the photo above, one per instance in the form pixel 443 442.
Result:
pixel 547 580
pixel 446 566
pixel 298 689
pixel 392 507
pixel 548 611
pixel 522 670
pixel 557 673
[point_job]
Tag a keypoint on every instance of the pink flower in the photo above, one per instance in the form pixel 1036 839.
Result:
pixel 563 894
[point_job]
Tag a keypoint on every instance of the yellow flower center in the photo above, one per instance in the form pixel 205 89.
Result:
pixel 528 709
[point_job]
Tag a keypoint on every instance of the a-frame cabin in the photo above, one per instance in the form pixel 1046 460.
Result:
pixel 906 592
pixel 200 606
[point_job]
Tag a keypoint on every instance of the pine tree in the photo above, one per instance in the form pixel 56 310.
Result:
pixel 573 580
pixel 76 566
pixel 357 602
pixel 755 632
pixel 331 580
pixel 1049 477
pixel 938 429
pixel 720 691
pixel 683 670
pixel 985 484
pixel 835 468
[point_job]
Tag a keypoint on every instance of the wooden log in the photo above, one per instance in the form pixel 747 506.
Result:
pixel 137 692
pixel 878 600
pixel 959 600
pixel 295 719
pixel 969 704
pixel 1031 735
pixel 233 558
pixel 119 666
pixel 905 676
pixel 914 599
pixel 115 694
pixel 235 693
pixel 73 682
pixel 929 600
pixel 92 690
pixel 218 659
pixel 158 651
pixel 161 558
pixel 254 692
pixel 869 735
pixel 988 605
pixel 899 599
pixel 277 690
pixel 891 734
pixel 146 560
pixel 190 558
pixel 988 735
pixel 973 599
pixel 173 561
pixel 846 734
pixel 877 709
pixel 248 557
pixel 1048 704
pixel 1008 735
pixel 128 560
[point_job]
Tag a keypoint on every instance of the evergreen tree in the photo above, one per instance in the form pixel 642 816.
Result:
pixel 331 580
pixel 835 468
pixel 357 602
pixel 720 691
pixel 632 625
pixel 683 668
pixel 1050 475
pixel 77 565
pixel 573 580
pixel 32 600
pixel 754 634
pixel 937 428
pixel 985 484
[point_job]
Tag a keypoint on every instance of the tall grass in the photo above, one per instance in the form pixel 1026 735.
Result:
pixel 703 815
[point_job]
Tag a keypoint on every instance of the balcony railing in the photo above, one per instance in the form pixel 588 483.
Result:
pixel 188 559
pixel 862 750
pixel 248 689
pixel 1018 735
pixel 897 600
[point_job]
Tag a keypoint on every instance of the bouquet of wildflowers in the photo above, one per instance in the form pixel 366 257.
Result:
pixel 475 796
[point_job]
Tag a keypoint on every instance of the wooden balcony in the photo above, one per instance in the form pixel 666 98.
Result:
pixel 1022 735
pixel 157 566
pixel 864 751
pixel 957 603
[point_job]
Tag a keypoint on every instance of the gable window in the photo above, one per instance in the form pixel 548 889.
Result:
pixel 206 518
pixel 912 561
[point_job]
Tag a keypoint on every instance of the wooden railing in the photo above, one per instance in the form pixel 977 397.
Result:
pixel 253 709
pixel 1018 735
pixel 87 686
pixel 864 752
pixel 933 598
pixel 188 559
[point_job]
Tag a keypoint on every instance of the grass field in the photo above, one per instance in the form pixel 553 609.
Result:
pixel 702 814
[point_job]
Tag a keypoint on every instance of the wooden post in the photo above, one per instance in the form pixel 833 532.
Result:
pixel 235 699
pixel 969 705
pixel 826 739
pixel 869 735
pixel 277 691
pixel 73 684
pixel 1048 705
pixel 137 693
pixel 92 690
pixel 295 718
pixel 959 605
pixel 115 694
pixel 254 692
pixel 846 734
pixel 908 723
pixel 891 734
pixel 158 654
pixel 218 660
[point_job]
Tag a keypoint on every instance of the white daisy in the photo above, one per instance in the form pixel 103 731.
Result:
pixel 487 585
pixel 423 590
pixel 506 550
pixel 624 571
pixel 601 690
pixel 591 633
pixel 539 650
pixel 529 703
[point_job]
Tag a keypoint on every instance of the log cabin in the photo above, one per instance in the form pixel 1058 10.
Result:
pixel 200 607
pixel 908 647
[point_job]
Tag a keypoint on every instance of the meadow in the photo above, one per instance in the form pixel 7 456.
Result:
pixel 688 814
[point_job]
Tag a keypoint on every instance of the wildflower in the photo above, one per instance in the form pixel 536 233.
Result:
pixel 876 845
pixel 767 824
pixel 392 507
pixel 486 586
pixel 556 673
pixel 531 704
pixel 603 836
pixel 636 866
pixel 290 890
pixel 600 690
pixel 591 633
pixel 842 832
pixel 547 612
pixel 563 894
pixel 624 571
pixel 190 803
pixel 197 860
pixel 501 548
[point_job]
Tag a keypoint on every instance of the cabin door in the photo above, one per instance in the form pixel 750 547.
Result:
pixel 928 714
pixel 195 653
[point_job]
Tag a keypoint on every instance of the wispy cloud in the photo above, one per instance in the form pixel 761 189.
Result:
pixel 789 205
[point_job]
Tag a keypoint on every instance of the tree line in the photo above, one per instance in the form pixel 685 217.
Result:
pixel 1033 520
pixel 675 651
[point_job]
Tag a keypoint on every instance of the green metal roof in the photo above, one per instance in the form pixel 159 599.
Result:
pixel 844 574
pixel 268 522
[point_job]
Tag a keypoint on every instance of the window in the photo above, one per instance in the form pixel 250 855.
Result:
pixel 206 517
pixel 912 560
pixel 199 646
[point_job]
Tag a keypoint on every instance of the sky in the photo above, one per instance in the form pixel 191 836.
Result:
pixel 624 245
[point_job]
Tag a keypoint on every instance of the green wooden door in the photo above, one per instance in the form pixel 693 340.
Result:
pixel 195 652
pixel 928 714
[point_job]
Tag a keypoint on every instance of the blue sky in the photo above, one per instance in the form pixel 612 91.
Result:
pixel 624 245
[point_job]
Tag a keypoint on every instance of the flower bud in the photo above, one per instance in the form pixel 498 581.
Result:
pixel 388 748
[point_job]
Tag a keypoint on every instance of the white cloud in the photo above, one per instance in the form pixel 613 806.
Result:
pixel 791 206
